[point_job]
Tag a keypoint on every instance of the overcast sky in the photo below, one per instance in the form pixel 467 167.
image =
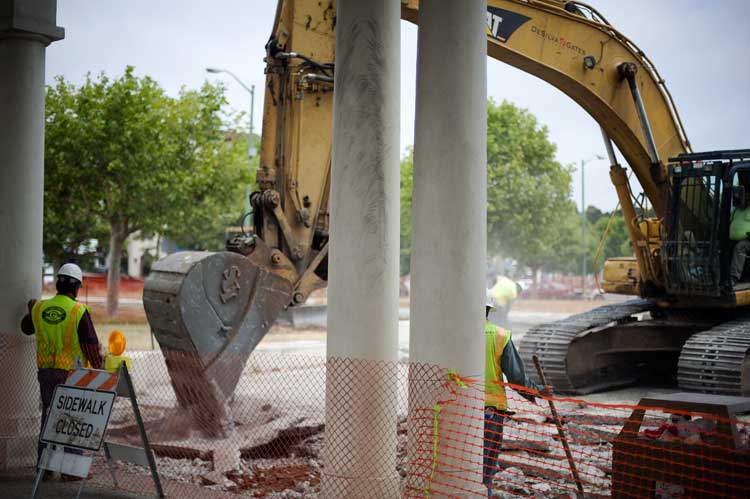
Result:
pixel 700 47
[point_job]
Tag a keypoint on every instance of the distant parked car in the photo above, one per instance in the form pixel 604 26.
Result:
pixel 525 283
pixel 550 290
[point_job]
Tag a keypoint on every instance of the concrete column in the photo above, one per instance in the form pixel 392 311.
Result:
pixel 362 345
pixel 448 261
pixel 26 28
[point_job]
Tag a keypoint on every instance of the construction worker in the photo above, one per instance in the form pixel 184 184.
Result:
pixel 501 358
pixel 64 331
pixel 504 291
pixel 739 231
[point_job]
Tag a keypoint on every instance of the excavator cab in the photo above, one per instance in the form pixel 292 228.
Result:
pixel 705 190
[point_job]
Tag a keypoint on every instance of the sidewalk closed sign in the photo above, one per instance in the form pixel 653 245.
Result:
pixel 78 417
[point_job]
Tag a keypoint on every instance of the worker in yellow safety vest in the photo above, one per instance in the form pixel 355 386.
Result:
pixel 739 231
pixel 501 358
pixel 64 332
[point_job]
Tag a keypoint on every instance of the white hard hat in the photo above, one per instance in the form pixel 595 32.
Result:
pixel 489 300
pixel 71 270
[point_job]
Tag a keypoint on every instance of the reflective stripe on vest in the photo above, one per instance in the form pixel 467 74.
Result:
pixel 496 338
pixel 56 329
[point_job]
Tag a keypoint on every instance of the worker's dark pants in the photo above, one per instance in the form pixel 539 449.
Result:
pixel 48 380
pixel 738 259
pixel 493 441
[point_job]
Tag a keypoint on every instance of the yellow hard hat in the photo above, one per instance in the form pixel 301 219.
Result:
pixel 116 342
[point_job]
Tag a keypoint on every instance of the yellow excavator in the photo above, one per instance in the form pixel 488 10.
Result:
pixel 210 310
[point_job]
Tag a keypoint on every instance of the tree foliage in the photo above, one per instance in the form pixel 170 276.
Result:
pixel 407 184
pixel 617 241
pixel 529 211
pixel 530 217
pixel 122 156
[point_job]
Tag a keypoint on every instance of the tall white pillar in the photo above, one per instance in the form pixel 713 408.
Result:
pixel 26 28
pixel 448 260
pixel 362 344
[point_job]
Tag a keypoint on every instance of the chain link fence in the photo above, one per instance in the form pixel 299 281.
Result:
pixel 414 431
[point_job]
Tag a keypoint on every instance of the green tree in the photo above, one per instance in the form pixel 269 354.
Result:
pixel 593 214
pixel 567 254
pixel 528 191
pixel 407 183
pixel 206 230
pixel 70 219
pixel 135 159
pixel 617 242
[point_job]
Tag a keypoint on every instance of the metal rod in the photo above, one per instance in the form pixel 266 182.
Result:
pixel 251 141
pixel 141 429
pixel 643 118
pixel 110 464
pixel 583 229
pixel 80 487
pixel 38 479
pixel 609 148
pixel 560 430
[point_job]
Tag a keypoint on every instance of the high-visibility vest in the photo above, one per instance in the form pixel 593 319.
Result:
pixel 739 226
pixel 56 328
pixel 496 338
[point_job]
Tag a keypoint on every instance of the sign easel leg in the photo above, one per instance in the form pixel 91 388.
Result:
pixel 141 429
pixel 37 481
pixel 80 488
pixel 110 464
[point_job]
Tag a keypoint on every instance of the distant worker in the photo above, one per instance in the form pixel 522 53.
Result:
pixel 739 230
pixel 501 358
pixel 54 322
pixel 505 291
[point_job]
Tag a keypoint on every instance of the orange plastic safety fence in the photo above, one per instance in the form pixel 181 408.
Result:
pixel 301 426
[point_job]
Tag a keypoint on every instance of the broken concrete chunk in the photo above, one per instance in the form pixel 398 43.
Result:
pixel 226 457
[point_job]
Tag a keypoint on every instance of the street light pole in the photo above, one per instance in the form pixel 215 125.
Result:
pixel 583 228
pixel 583 221
pixel 251 90
pixel 251 147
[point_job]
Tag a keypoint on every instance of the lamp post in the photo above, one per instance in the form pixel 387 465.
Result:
pixel 583 222
pixel 251 91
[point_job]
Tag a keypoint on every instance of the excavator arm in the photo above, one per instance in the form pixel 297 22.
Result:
pixel 209 311
pixel 568 44
pixel 591 62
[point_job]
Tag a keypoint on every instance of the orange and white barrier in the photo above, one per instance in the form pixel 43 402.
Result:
pixel 92 379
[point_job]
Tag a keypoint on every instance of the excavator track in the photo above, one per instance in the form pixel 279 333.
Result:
pixel 716 360
pixel 551 342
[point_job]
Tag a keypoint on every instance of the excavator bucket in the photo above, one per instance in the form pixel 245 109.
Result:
pixel 208 312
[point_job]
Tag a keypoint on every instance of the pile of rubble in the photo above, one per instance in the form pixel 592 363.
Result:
pixel 287 461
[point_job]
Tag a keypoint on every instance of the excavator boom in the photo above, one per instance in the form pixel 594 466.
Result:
pixel 572 47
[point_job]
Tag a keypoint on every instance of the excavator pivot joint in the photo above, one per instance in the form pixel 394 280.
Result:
pixel 627 70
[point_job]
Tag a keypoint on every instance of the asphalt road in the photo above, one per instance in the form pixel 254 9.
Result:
pixel 18 484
